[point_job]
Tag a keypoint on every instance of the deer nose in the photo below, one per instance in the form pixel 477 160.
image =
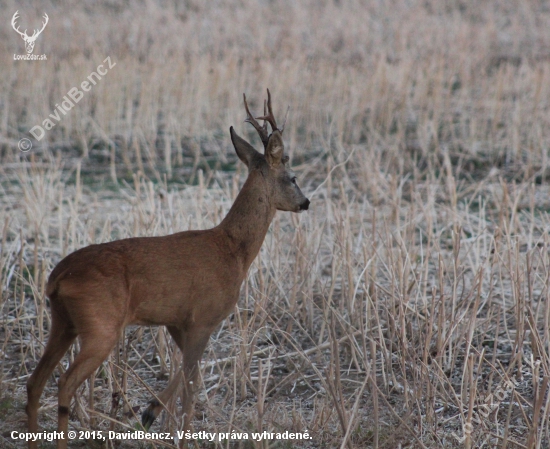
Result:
pixel 304 205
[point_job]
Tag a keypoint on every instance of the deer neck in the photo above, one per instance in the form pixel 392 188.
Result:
pixel 248 220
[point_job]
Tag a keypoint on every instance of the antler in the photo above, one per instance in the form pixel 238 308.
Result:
pixel 13 20
pixel 24 35
pixel 284 121
pixel 262 130
pixel 270 117
pixel 35 34
pixel 267 117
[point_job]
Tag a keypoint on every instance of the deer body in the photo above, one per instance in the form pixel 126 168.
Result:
pixel 177 279
pixel 189 282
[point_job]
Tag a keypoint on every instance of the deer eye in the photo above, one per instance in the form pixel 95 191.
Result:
pixel 293 180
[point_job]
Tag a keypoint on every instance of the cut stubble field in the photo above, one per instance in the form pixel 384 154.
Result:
pixel 408 307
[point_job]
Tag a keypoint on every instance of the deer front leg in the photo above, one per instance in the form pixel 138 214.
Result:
pixel 192 343
pixel 156 405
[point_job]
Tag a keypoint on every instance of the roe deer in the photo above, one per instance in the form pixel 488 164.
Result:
pixel 189 282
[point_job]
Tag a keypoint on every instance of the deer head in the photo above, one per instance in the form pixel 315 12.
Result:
pixel 273 164
pixel 29 40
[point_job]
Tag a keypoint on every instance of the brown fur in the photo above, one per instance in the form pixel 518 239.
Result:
pixel 189 282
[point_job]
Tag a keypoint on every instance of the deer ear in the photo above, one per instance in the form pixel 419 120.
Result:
pixel 244 150
pixel 275 148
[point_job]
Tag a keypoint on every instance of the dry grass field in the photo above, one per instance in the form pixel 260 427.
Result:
pixel 408 308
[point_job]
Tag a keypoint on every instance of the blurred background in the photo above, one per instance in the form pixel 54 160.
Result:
pixel 405 77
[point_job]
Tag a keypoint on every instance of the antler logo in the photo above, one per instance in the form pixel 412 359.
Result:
pixel 29 40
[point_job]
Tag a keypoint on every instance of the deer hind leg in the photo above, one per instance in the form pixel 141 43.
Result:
pixel 61 336
pixel 96 345
pixel 192 344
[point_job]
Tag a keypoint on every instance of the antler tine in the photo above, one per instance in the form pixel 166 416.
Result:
pixel 264 126
pixel 269 116
pixel 37 32
pixel 262 130
pixel 13 23
pixel 44 23
pixel 284 121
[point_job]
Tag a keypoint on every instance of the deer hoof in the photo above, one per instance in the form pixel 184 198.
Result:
pixel 148 416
